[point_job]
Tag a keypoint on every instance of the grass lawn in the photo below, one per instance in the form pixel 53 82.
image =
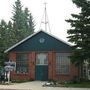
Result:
pixel 77 85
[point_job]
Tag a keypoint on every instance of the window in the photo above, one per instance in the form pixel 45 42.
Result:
pixel 42 59
pixel 62 63
pixel 21 63
pixel 41 40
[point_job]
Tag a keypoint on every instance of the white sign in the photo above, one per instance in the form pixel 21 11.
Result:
pixel 9 68
pixel 10 63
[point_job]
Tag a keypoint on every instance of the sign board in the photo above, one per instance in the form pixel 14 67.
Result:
pixel 10 63
pixel 10 66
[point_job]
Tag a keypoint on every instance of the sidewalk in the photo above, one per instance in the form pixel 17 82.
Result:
pixel 34 85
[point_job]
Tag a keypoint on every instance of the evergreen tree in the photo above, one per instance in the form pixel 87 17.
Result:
pixel 21 19
pixel 31 23
pixel 3 45
pixel 28 21
pixel 11 34
pixel 18 20
pixel 79 34
pixel 21 26
pixel 3 30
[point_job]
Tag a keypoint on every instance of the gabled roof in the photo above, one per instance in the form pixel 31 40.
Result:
pixel 22 41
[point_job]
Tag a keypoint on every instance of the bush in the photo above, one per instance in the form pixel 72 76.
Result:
pixel 76 79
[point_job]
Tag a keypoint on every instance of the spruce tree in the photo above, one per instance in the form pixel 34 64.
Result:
pixel 21 21
pixel 11 34
pixel 29 22
pixel 18 20
pixel 21 26
pixel 79 34
pixel 3 31
pixel 3 45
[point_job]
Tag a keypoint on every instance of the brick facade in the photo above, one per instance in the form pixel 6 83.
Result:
pixel 71 76
pixel 32 66
pixel 14 75
pixel 51 68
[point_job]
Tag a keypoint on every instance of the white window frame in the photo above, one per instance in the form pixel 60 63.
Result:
pixel 42 61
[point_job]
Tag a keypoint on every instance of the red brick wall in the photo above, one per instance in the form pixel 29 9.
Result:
pixel 29 65
pixel 32 66
pixel 51 68
pixel 70 76
pixel 50 65
pixel 54 66
pixel 14 75
pixel 73 73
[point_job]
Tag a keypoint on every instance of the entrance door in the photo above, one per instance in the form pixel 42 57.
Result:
pixel 42 66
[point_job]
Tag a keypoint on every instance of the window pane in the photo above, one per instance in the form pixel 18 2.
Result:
pixel 62 63
pixel 41 59
pixel 21 63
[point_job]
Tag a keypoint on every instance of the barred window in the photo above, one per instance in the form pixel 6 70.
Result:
pixel 62 63
pixel 21 63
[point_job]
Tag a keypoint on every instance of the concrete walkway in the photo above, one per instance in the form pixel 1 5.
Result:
pixel 34 85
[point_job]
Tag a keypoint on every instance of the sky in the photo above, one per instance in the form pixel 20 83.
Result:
pixel 57 10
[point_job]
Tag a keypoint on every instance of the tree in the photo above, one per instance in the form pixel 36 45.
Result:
pixel 3 45
pixel 21 26
pixel 79 34
pixel 3 30
pixel 10 34
pixel 18 24
pixel 21 21
pixel 29 22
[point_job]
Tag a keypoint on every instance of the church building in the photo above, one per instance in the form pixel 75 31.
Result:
pixel 42 56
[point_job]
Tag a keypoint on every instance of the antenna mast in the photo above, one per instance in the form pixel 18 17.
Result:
pixel 45 21
pixel 45 18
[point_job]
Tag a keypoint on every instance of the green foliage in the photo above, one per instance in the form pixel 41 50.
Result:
pixel 21 25
pixel 78 85
pixel 3 39
pixel 79 34
pixel 23 21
